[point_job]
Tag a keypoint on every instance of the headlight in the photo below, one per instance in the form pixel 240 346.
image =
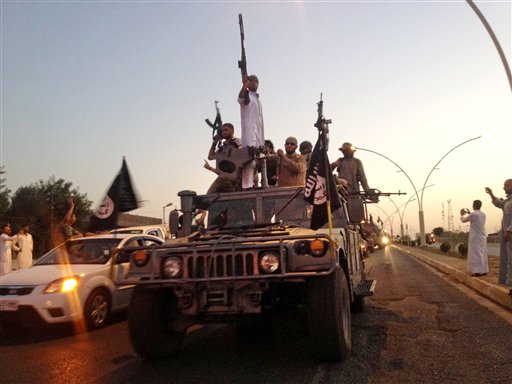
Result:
pixel 140 258
pixel 269 262
pixel 173 268
pixel 385 240
pixel 318 247
pixel 64 284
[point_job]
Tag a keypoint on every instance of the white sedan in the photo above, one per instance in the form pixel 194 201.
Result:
pixel 74 282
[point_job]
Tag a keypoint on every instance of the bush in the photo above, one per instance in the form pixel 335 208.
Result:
pixel 445 247
pixel 463 249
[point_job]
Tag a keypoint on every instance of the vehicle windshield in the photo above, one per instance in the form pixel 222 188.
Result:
pixel 291 209
pixel 81 251
pixel 294 211
pixel 232 213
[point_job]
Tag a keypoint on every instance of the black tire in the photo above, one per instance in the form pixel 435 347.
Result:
pixel 359 304
pixel 150 323
pixel 97 309
pixel 329 316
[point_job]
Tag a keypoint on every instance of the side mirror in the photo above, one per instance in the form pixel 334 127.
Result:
pixel 174 222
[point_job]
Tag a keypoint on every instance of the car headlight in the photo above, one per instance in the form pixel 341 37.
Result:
pixel 64 284
pixel 173 267
pixel 385 240
pixel 269 262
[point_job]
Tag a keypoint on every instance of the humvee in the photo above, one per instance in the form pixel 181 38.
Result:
pixel 250 250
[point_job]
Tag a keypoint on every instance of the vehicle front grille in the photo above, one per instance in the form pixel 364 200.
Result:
pixel 221 265
pixel 15 291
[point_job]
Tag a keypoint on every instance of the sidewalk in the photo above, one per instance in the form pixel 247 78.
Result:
pixel 486 286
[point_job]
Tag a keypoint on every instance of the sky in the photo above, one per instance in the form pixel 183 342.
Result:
pixel 84 83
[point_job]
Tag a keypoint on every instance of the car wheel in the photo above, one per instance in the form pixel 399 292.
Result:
pixel 97 309
pixel 329 316
pixel 151 323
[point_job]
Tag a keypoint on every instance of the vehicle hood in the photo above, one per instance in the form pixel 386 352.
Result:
pixel 45 274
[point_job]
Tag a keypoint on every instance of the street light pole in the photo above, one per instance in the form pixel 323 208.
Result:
pixel 402 214
pixel 420 210
pixel 422 219
pixel 163 212
pixel 420 199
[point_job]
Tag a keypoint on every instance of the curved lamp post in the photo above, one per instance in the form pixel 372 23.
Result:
pixel 402 214
pixel 163 212
pixel 418 198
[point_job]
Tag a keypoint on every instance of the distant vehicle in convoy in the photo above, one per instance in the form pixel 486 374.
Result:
pixel 254 253
pixel 384 240
pixel 161 231
pixel 72 282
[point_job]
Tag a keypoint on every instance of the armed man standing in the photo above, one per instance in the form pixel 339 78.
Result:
pixel 350 170
pixel 220 144
pixel 252 118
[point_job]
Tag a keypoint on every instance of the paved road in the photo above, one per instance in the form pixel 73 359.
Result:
pixel 418 328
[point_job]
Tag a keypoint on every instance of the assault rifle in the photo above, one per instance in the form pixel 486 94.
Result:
pixel 322 123
pixel 242 63
pixel 217 124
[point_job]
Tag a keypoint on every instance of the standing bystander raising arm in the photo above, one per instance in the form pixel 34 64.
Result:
pixel 505 268
pixel 478 264
pixel 6 241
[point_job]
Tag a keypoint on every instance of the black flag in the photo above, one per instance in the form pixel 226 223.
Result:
pixel 320 185
pixel 120 198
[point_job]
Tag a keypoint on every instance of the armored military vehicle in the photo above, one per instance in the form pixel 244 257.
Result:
pixel 248 251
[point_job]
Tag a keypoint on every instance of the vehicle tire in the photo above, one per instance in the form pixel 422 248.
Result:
pixel 97 309
pixel 329 317
pixel 150 323
pixel 359 304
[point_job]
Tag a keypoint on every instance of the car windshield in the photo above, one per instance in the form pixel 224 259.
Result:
pixel 128 231
pixel 81 251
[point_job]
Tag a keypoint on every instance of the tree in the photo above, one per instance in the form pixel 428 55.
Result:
pixel 4 194
pixel 42 206
pixel 4 202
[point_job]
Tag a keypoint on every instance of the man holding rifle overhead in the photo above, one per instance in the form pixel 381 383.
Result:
pixel 251 115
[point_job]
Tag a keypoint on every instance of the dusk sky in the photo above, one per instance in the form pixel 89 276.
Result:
pixel 85 83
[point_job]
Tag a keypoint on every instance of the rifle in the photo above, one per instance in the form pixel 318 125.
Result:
pixel 322 123
pixel 374 194
pixel 217 124
pixel 242 63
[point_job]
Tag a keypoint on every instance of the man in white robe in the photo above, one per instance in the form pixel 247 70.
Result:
pixel 478 264
pixel 25 244
pixel 6 241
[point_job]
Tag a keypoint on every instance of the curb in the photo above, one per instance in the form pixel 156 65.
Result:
pixel 493 292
